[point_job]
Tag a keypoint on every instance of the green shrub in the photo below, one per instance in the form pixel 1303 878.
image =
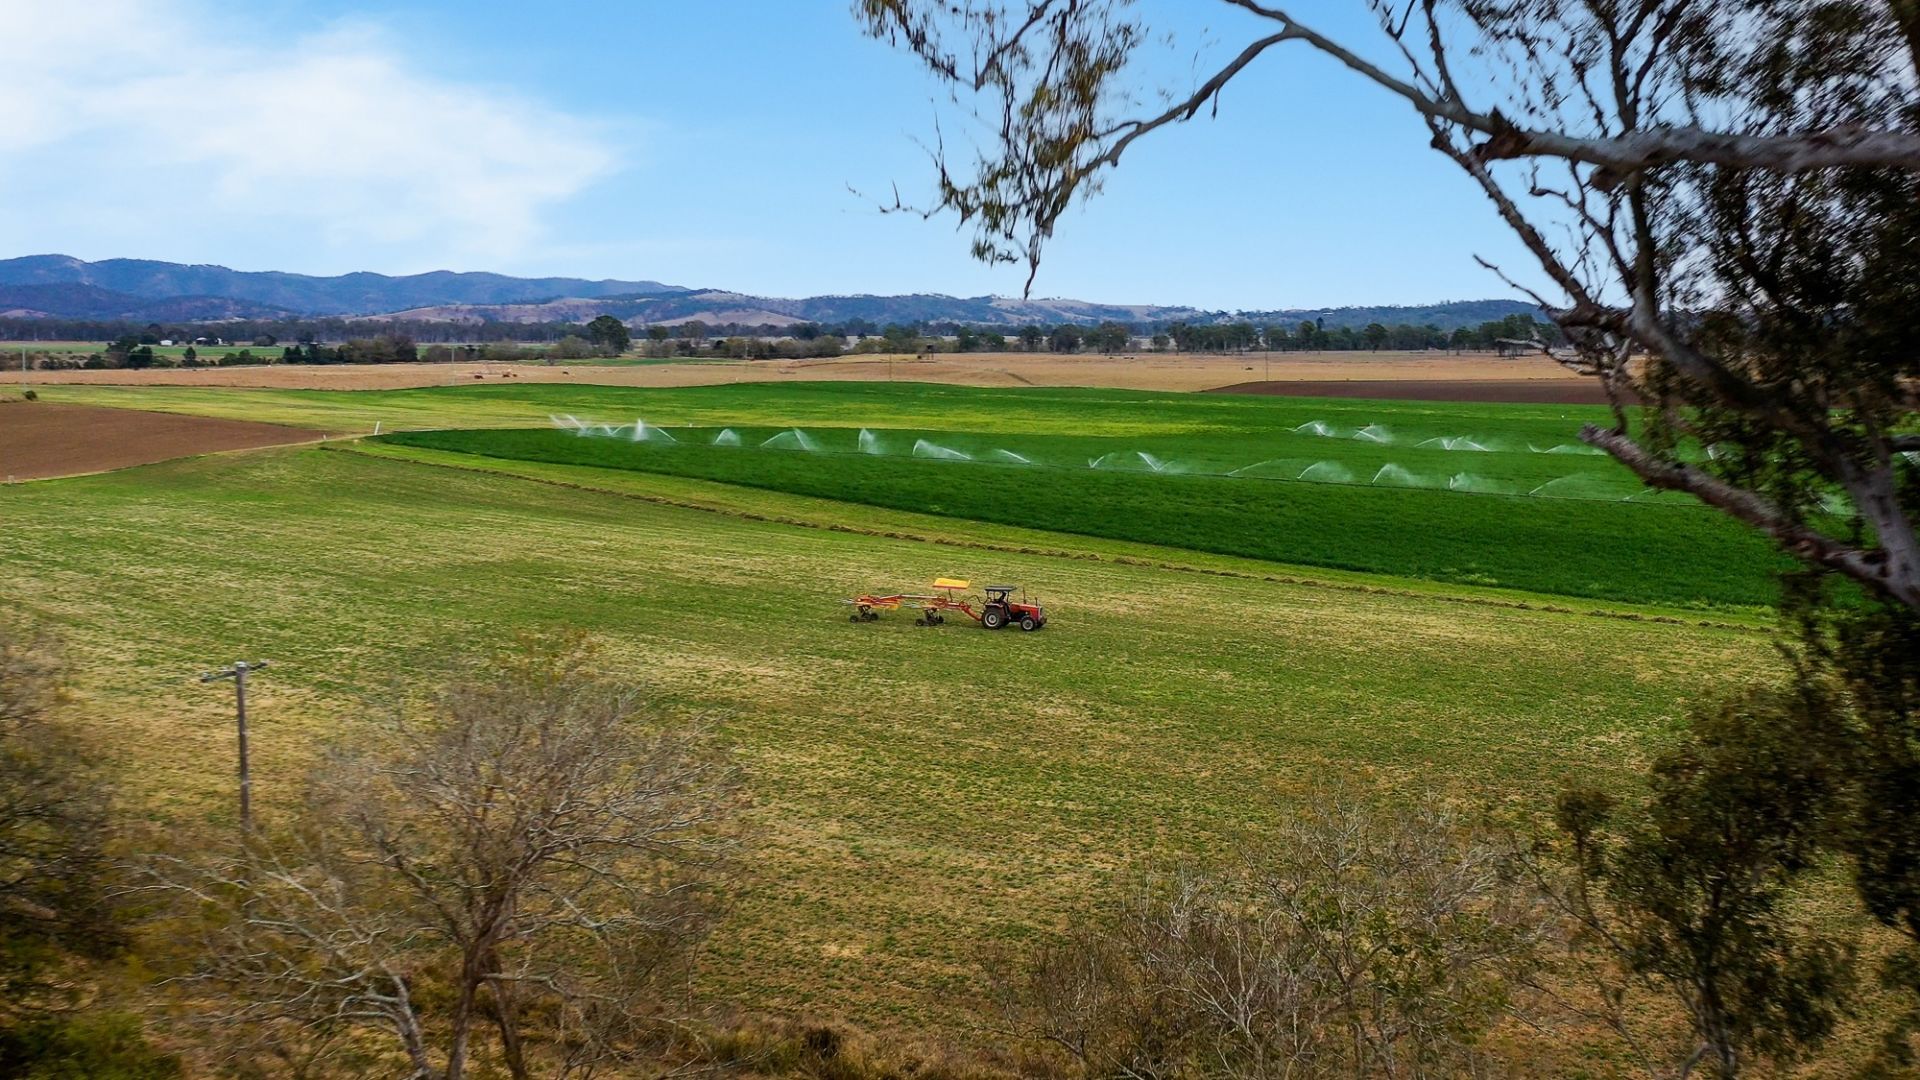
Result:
pixel 84 1046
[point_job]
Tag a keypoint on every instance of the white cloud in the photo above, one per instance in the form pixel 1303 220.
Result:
pixel 124 122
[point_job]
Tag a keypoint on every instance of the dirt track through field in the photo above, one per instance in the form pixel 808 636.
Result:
pixel 39 439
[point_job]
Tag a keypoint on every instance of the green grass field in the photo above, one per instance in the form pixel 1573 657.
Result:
pixel 1406 488
pixel 918 791
pixel 176 352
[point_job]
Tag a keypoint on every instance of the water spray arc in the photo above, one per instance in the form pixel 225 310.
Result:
pixel 1122 459
pixel 1579 485
pixel 1326 472
pixel 791 439
pixel 924 449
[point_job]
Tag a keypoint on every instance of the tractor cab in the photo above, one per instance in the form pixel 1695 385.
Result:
pixel 1002 610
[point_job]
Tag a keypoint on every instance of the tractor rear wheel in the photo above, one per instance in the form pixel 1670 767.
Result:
pixel 993 618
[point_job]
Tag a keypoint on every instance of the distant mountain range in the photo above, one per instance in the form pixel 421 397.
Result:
pixel 720 306
pixel 273 293
pixel 143 290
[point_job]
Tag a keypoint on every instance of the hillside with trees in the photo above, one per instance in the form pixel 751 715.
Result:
pixel 41 293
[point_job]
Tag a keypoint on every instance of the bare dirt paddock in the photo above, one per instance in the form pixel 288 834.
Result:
pixel 1143 371
pixel 40 439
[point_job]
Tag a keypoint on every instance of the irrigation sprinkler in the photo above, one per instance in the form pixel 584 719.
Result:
pixel 238 673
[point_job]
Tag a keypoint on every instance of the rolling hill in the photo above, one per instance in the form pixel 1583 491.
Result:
pixel 60 286
pixel 303 294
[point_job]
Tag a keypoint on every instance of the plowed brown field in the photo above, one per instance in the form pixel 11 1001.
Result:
pixel 40 439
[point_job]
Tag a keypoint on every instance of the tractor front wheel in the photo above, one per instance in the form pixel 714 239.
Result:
pixel 1029 623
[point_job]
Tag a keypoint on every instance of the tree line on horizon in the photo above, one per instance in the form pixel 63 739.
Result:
pixel 606 336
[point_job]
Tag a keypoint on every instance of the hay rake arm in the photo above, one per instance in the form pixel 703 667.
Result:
pixel 932 606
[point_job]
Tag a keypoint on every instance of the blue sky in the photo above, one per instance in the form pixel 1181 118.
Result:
pixel 709 144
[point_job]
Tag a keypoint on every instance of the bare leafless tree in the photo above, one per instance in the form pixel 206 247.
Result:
pixel 1721 195
pixel 518 871
pixel 1359 941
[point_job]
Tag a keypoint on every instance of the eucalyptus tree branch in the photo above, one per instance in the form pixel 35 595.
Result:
pixel 1868 566
pixel 1836 147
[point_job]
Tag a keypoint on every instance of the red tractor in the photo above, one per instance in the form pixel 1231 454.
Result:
pixel 1002 610
pixel 999 610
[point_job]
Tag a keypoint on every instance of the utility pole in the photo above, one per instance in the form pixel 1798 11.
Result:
pixel 238 673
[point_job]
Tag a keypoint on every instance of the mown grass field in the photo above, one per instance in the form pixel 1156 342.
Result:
pixel 13 348
pixel 919 792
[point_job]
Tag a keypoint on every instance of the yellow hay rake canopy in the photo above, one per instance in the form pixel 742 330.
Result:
pixel 950 583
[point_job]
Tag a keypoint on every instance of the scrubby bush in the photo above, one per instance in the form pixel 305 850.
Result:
pixel 95 1046
pixel 506 351
pixel 1358 941
pixel 573 347
pixel 407 914
pixel 1689 894
pixel 383 349
pixel 58 912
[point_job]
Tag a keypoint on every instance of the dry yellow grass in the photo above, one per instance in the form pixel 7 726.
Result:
pixel 1142 371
